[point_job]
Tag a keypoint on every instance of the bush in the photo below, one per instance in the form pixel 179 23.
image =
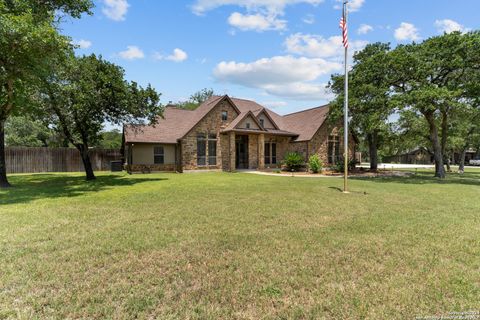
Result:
pixel 293 161
pixel 315 164
pixel 339 166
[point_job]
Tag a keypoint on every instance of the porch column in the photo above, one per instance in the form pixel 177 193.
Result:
pixel 261 151
pixel 232 151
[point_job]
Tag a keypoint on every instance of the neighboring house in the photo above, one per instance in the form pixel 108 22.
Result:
pixel 423 156
pixel 230 134
pixel 417 156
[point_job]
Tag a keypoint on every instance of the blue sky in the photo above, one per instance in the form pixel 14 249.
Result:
pixel 278 52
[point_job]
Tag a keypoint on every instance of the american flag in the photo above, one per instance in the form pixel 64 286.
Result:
pixel 343 26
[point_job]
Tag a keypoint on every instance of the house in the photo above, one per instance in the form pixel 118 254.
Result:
pixel 229 134
pixel 422 155
pixel 416 156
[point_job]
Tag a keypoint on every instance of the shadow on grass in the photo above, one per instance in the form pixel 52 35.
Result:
pixel 426 177
pixel 28 188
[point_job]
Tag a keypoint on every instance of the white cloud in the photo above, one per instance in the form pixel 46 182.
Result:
pixel 271 6
pixel 364 29
pixel 82 44
pixel 353 5
pixel 301 91
pixel 320 47
pixel 309 19
pixel 257 22
pixel 115 9
pixel 449 26
pixel 283 76
pixel 132 53
pixel 407 32
pixel 178 55
pixel 261 15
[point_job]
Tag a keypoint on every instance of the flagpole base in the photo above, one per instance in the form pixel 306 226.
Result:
pixel 346 192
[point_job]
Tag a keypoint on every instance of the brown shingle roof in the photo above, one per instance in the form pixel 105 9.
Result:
pixel 306 123
pixel 178 122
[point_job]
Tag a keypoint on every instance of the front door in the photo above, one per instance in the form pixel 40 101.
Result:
pixel 241 152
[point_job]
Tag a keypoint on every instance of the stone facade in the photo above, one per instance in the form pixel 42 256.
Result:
pixel 319 143
pixel 183 155
pixel 211 124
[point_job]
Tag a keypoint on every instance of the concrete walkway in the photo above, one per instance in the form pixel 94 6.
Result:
pixel 408 166
pixel 289 175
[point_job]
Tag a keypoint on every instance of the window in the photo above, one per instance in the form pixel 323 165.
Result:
pixel 203 142
pixel 274 153
pixel 270 153
pixel 267 153
pixel 224 115
pixel 158 155
pixel 262 122
pixel 248 125
pixel 212 150
pixel 201 150
pixel 333 149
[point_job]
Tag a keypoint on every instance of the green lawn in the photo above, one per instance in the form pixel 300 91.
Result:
pixel 238 246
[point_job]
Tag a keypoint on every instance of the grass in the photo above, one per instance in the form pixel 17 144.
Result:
pixel 238 246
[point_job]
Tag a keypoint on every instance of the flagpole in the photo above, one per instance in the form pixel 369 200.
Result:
pixel 345 108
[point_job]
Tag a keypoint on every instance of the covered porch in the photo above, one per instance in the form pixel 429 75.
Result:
pixel 244 150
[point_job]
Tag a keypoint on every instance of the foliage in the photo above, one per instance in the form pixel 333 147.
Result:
pixel 429 87
pixel 196 99
pixel 315 164
pixel 110 139
pixel 429 81
pixel 23 132
pixel 29 47
pixel 369 98
pixel 339 166
pixel 90 91
pixel 293 161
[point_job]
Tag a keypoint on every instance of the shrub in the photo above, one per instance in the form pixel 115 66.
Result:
pixel 315 163
pixel 293 161
pixel 339 165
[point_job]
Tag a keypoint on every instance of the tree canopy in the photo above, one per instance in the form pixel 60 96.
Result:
pixel 196 99
pixel 88 91
pixel 428 87
pixel 29 46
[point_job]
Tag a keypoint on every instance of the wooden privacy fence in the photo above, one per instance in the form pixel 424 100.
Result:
pixel 33 160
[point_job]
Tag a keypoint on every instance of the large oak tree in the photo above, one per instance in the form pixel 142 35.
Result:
pixel 87 92
pixel 29 41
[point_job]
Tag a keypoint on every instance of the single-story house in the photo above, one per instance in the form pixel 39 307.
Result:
pixel 422 155
pixel 416 156
pixel 228 133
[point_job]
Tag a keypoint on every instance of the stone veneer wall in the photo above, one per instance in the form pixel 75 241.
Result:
pixel 253 151
pixel 212 123
pixel 225 145
pixel 300 148
pixel 319 143
pixel 283 147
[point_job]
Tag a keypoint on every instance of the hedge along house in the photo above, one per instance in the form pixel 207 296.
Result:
pixel 230 134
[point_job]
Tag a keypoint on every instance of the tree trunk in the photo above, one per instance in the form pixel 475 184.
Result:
pixel 3 166
pixel 461 168
pixel 446 158
pixel 372 139
pixel 87 164
pixel 447 163
pixel 436 145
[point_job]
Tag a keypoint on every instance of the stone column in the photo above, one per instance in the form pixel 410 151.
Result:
pixel 232 152
pixel 261 151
